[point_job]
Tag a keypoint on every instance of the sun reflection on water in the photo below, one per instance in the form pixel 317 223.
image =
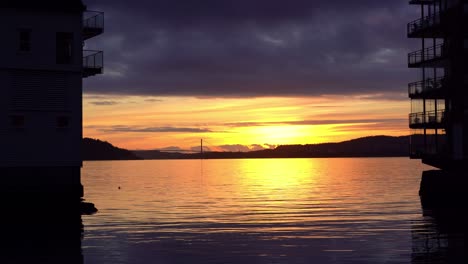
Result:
pixel 273 207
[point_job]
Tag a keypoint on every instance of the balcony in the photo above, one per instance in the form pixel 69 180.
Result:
pixel 93 24
pixel 429 89
pixel 428 26
pixel 429 146
pixel 93 62
pixel 428 57
pixel 431 119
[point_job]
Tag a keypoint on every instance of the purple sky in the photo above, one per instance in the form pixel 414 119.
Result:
pixel 247 48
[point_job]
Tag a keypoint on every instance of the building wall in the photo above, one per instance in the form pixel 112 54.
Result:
pixel 44 26
pixel 44 93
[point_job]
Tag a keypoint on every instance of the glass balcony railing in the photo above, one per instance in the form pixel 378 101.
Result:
pixel 93 62
pixel 421 88
pixel 422 24
pixel 426 55
pixel 428 119
pixel 428 145
pixel 93 24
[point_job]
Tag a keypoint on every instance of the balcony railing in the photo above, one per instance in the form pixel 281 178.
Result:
pixel 422 24
pixel 426 55
pixel 425 87
pixel 93 62
pixel 431 119
pixel 93 24
pixel 429 145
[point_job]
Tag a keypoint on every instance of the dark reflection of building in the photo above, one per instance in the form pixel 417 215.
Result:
pixel 39 231
pixel 440 237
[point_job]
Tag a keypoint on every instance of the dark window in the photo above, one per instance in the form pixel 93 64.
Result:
pixel 17 121
pixel 64 47
pixel 63 121
pixel 24 40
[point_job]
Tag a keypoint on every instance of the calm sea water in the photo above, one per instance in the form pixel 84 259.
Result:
pixel 364 210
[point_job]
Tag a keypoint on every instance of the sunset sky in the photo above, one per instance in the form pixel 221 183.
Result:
pixel 248 74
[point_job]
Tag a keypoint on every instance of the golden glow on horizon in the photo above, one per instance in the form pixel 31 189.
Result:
pixel 135 122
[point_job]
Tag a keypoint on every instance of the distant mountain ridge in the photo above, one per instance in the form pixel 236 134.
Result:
pixel 95 149
pixel 373 146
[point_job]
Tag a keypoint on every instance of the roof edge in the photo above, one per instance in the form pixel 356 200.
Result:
pixel 52 5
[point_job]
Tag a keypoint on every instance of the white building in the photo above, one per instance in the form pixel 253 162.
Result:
pixel 41 73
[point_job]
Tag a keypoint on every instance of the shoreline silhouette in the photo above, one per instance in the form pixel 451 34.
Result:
pixel 373 146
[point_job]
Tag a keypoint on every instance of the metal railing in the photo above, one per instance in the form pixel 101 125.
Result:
pixel 93 62
pixel 93 23
pixel 428 85
pixel 432 118
pixel 423 23
pixel 428 145
pixel 427 54
pixel 93 19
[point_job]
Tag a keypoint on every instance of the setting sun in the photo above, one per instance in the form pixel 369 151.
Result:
pixel 138 122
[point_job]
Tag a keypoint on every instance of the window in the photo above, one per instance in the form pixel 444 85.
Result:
pixel 63 121
pixel 24 40
pixel 17 121
pixel 64 46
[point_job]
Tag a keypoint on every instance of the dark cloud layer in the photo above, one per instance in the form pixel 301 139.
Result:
pixel 152 129
pixel 103 103
pixel 316 122
pixel 252 48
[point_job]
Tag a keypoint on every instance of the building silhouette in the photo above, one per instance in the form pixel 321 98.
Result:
pixel 439 118
pixel 41 71
pixel 439 100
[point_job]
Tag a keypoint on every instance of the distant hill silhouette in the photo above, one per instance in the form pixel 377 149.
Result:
pixel 374 146
pixel 94 149
pixel 157 154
